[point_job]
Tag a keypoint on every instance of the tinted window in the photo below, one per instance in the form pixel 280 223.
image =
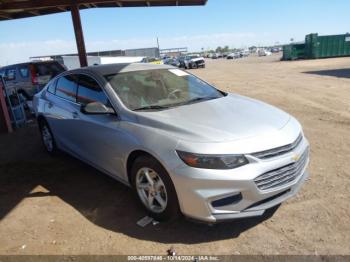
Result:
pixel 2 73
pixel 48 69
pixel 24 71
pixel 90 91
pixel 67 87
pixel 52 87
pixel 11 74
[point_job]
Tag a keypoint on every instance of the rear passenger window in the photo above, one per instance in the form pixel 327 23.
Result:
pixel 24 71
pixel 67 87
pixel 89 91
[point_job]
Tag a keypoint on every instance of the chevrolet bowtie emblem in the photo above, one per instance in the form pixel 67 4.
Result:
pixel 296 157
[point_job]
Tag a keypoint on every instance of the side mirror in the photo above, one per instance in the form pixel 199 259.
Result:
pixel 96 108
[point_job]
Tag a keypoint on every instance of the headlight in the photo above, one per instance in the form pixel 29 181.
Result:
pixel 213 161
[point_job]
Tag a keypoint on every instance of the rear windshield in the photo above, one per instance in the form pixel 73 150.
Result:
pixel 48 69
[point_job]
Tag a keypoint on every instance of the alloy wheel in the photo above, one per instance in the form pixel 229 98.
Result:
pixel 151 190
pixel 47 138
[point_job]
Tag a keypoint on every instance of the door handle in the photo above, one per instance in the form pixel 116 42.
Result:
pixel 75 115
pixel 49 104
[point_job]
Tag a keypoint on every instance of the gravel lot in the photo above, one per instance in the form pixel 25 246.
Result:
pixel 62 206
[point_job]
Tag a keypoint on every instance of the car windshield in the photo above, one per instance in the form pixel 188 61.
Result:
pixel 160 89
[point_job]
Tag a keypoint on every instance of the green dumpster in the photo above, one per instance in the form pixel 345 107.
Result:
pixel 293 51
pixel 327 46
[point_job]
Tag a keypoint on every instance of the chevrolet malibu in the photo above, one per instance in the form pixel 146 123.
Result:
pixel 181 144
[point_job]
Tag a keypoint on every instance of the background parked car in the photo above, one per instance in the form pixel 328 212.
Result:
pixel 152 60
pixel 29 78
pixel 234 55
pixel 214 56
pixel 264 52
pixel 192 61
pixel 172 61
pixel 275 49
pixel 244 53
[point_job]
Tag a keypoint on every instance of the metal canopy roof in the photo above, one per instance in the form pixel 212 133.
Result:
pixel 14 9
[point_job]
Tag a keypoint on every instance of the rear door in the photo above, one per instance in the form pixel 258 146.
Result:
pixel 61 111
pixel 11 77
pixel 24 81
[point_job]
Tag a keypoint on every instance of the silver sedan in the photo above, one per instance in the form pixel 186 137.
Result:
pixel 181 144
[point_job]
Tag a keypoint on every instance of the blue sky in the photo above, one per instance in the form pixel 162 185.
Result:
pixel 236 23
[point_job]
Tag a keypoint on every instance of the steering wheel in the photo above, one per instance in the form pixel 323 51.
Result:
pixel 175 94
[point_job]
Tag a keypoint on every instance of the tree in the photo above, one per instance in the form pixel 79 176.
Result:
pixel 219 49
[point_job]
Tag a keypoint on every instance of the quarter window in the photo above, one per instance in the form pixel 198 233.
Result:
pixel 89 91
pixel 52 87
pixel 24 71
pixel 67 87
pixel 11 74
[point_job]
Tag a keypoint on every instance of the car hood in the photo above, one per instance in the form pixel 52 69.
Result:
pixel 197 59
pixel 224 119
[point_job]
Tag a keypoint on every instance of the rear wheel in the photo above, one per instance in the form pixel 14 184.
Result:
pixel 154 188
pixel 47 137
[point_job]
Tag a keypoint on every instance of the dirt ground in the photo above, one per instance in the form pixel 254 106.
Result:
pixel 62 206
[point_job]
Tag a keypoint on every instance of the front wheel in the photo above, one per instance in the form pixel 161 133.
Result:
pixel 154 188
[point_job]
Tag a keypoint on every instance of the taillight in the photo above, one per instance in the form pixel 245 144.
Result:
pixel 33 75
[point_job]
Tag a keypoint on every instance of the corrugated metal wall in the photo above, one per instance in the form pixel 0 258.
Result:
pixel 148 52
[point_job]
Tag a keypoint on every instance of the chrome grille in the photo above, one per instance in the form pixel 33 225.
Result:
pixel 279 150
pixel 283 175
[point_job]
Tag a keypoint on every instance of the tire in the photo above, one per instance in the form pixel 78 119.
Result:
pixel 166 191
pixel 47 137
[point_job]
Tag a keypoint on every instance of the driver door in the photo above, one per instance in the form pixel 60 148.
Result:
pixel 97 136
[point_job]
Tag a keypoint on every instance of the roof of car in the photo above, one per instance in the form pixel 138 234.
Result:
pixel 28 63
pixel 111 69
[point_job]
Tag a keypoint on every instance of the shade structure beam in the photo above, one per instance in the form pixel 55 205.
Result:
pixel 79 35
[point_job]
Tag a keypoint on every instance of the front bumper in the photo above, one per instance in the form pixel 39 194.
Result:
pixel 198 189
pixel 200 63
pixel 263 205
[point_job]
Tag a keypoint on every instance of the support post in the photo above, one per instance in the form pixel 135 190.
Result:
pixel 5 121
pixel 79 36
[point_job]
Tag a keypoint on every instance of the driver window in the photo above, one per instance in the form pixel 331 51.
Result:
pixel 89 91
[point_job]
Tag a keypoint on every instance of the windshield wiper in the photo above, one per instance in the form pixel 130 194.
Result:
pixel 198 99
pixel 193 100
pixel 152 107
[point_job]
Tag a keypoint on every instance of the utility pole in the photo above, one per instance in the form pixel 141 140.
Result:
pixel 158 47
